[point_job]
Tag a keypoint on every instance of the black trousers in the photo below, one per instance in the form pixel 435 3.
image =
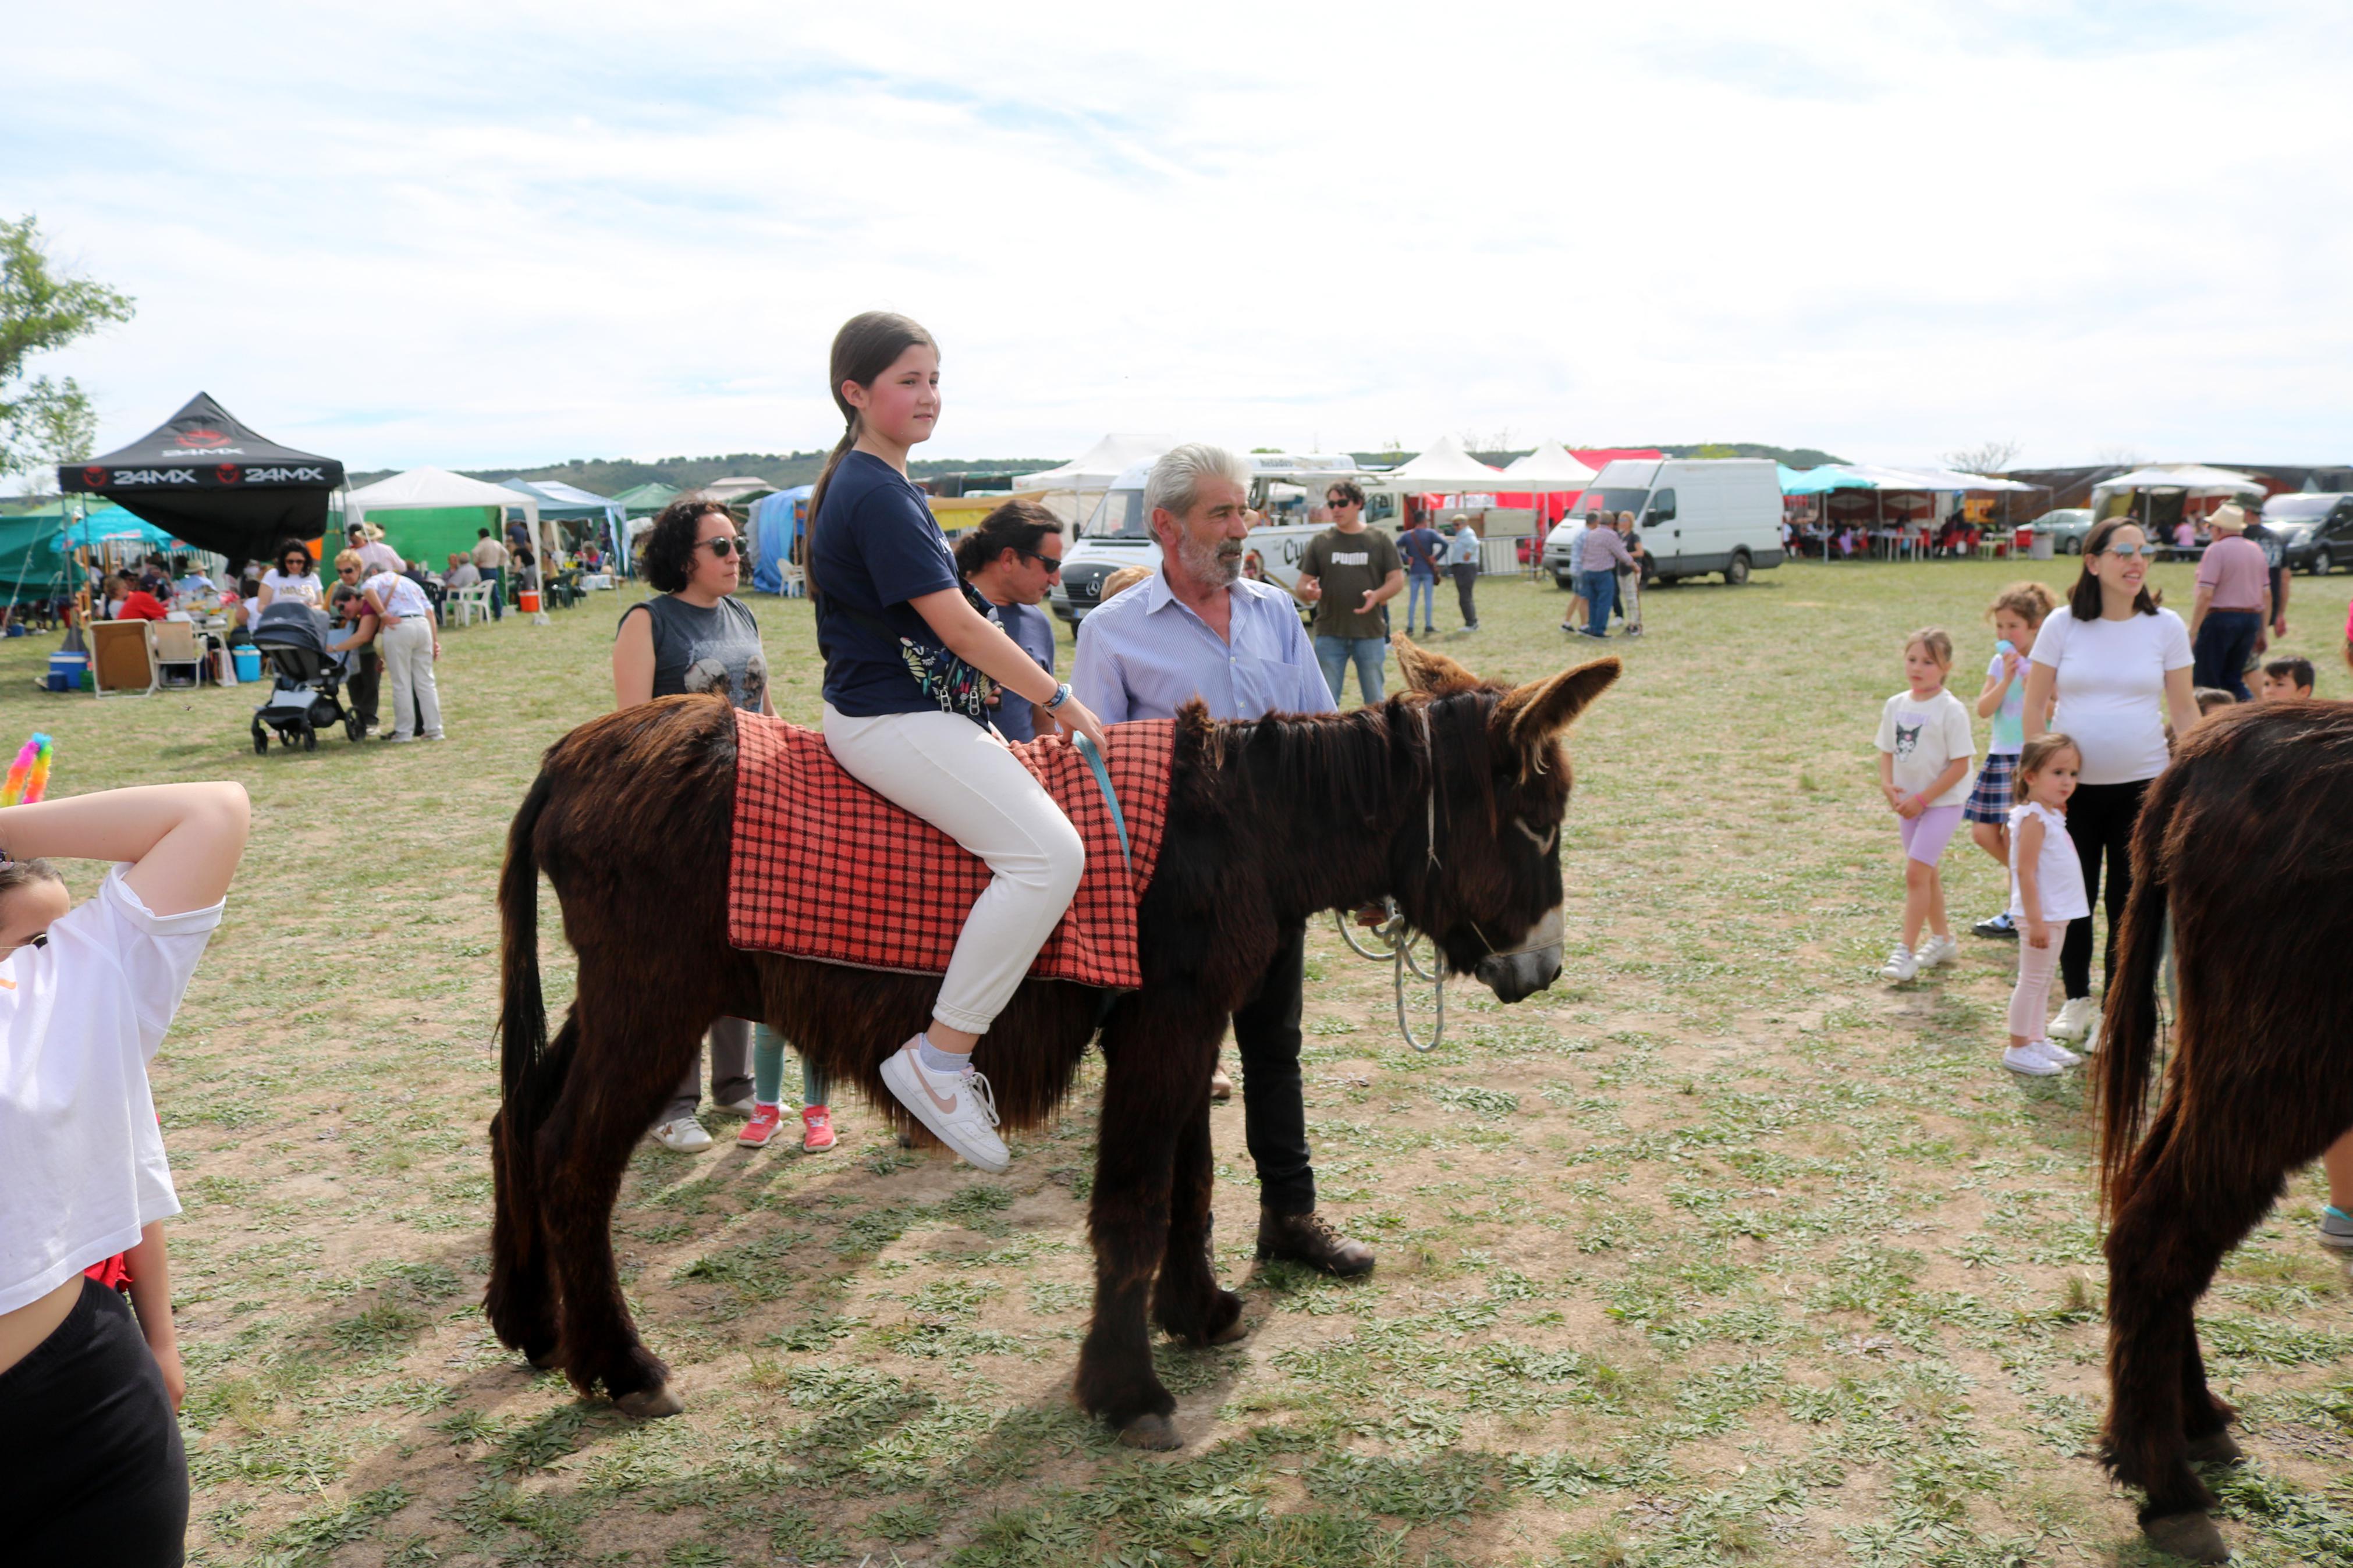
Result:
pixel 91 1469
pixel 366 681
pixel 2100 820
pixel 1274 1113
pixel 2226 640
pixel 1466 579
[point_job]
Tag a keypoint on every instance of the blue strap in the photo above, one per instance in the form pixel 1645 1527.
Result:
pixel 1110 796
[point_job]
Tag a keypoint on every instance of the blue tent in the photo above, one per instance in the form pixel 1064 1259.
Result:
pixel 559 500
pixel 1816 481
pixel 777 523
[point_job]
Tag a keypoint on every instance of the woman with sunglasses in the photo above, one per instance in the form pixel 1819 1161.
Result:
pixel 2121 667
pixel 296 577
pixel 695 635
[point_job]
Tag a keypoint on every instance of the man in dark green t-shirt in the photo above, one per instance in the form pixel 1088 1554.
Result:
pixel 1348 573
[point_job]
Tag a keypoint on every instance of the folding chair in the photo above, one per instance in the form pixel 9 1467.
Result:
pixel 123 659
pixel 176 647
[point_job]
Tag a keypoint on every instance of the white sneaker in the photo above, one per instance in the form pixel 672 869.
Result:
pixel 1938 949
pixel 685 1135
pixel 956 1106
pixel 2029 1062
pixel 2055 1052
pixel 2075 1020
pixel 1901 965
pixel 742 1108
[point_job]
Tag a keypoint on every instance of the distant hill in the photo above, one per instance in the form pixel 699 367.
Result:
pixel 611 475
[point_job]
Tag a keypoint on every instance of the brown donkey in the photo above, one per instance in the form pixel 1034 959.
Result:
pixel 2241 839
pixel 1448 799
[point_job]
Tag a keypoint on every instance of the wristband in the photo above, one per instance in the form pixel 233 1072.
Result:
pixel 1062 695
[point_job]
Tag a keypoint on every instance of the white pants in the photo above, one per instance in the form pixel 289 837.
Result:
pixel 406 648
pixel 962 780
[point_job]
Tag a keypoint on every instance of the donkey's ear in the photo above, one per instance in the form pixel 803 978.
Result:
pixel 1531 715
pixel 1429 671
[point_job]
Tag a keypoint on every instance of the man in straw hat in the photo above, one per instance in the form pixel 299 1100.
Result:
pixel 2234 602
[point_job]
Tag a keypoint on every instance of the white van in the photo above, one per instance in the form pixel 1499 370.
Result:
pixel 1118 532
pixel 1695 515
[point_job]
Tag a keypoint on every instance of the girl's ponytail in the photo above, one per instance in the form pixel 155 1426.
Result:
pixel 866 346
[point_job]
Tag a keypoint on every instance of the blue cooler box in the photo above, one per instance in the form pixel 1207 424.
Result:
pixel 66 671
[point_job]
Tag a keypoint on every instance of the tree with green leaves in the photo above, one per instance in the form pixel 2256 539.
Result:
pixel 43 309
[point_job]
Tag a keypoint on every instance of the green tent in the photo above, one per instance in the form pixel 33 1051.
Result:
pixel 37 544
pixel 431 535
pixel 646 499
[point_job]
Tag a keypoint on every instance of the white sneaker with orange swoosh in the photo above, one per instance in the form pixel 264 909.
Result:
pixel 956 1106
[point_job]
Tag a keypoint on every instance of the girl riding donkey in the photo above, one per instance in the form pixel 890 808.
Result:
pixel 910 660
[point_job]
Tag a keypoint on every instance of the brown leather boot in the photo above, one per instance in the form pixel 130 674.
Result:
pixel 1309 1239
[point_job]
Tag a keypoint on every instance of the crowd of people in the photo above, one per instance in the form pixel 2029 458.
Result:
pixel 2087 698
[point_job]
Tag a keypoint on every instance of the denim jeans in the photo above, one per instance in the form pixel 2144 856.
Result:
pixel 1423 591
pixel 1334 654
pixel 2226 639
pixel 1601 591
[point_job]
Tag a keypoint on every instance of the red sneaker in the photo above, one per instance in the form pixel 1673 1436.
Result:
pixel 817 1124
pixel 762 1127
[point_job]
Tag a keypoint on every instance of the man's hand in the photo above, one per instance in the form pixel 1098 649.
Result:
pixel 1309 589
pixel 1370 604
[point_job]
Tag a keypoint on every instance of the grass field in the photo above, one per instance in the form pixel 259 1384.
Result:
pixel 1722 1250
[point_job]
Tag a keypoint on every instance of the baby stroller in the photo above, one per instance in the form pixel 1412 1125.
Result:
pixel 294 638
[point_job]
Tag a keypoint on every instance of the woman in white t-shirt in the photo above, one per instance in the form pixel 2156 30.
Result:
pixel 2121 669
pixel 296 577
pixel 94 1461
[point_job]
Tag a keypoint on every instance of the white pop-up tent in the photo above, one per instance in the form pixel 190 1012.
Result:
pixel 2196 479
pixel 1448 467
pixel 1551 469
pixel 1072 490
pixel 438 490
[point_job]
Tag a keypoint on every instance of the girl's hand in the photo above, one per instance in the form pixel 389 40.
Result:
pixel 2038 933
pixel 1912 806
pixel 175 1378
pixel 1077 719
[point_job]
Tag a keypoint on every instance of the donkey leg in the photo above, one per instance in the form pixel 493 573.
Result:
pixel 2181 1217
pixel 521 1301
pixel 1146 1070
pixel 1188 1301
pixel 583 1150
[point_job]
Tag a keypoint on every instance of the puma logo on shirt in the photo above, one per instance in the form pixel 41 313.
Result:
pixel 1355 558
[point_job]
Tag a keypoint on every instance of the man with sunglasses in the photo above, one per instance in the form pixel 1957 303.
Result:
pixel 1348 573
pixel 1011 560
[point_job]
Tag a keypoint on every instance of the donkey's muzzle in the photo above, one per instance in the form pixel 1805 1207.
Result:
pixel 1524 970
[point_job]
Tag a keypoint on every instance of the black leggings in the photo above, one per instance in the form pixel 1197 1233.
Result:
pixel 91 1464
pixel 2100 820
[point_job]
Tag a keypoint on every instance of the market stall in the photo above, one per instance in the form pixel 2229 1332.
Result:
pixel 205 477
pixel 603 515
pixel 1072 490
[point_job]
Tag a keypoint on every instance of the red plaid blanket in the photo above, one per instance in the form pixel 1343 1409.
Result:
pixel 822 867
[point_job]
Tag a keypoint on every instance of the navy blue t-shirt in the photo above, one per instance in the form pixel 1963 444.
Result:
pixel 1028 626
pixel 875 548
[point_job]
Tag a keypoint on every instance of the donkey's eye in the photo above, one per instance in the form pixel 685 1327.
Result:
pixel 1542 841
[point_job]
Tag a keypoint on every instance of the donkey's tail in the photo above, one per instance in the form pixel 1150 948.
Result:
pixel 2129 1046
pixel 522 1011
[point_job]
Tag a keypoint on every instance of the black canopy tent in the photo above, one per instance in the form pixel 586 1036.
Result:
pixel 208 479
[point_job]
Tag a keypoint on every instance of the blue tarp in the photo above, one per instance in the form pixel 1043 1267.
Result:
pixel 775 523
pixel 1815 481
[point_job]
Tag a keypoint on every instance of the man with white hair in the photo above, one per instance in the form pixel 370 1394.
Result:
pixel 1198 629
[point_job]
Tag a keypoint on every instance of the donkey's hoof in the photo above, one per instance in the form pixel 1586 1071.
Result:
pixel 1155 1432
pixel 544 1359
pixel 2215 1449
pixel 1232 1333
pixel 649 1403
pixel 2191 1536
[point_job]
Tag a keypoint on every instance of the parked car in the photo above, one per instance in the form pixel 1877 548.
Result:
pixel 2315 531
pixel 1695 516
pixel 2067 527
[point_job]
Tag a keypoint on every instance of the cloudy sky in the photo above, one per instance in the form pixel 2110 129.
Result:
pixel 518 233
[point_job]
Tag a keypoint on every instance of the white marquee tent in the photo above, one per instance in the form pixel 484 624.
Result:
pixel 1551 469
pixel 2196 479
pixel 1448 468
pixel 426 489
pixel 1072 489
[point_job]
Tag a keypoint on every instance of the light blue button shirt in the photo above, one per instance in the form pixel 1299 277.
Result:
pixel 1145 654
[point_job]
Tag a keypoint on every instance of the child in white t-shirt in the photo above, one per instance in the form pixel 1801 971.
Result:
pixel 2046 891
pixel 1925 749
pixel 86 995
